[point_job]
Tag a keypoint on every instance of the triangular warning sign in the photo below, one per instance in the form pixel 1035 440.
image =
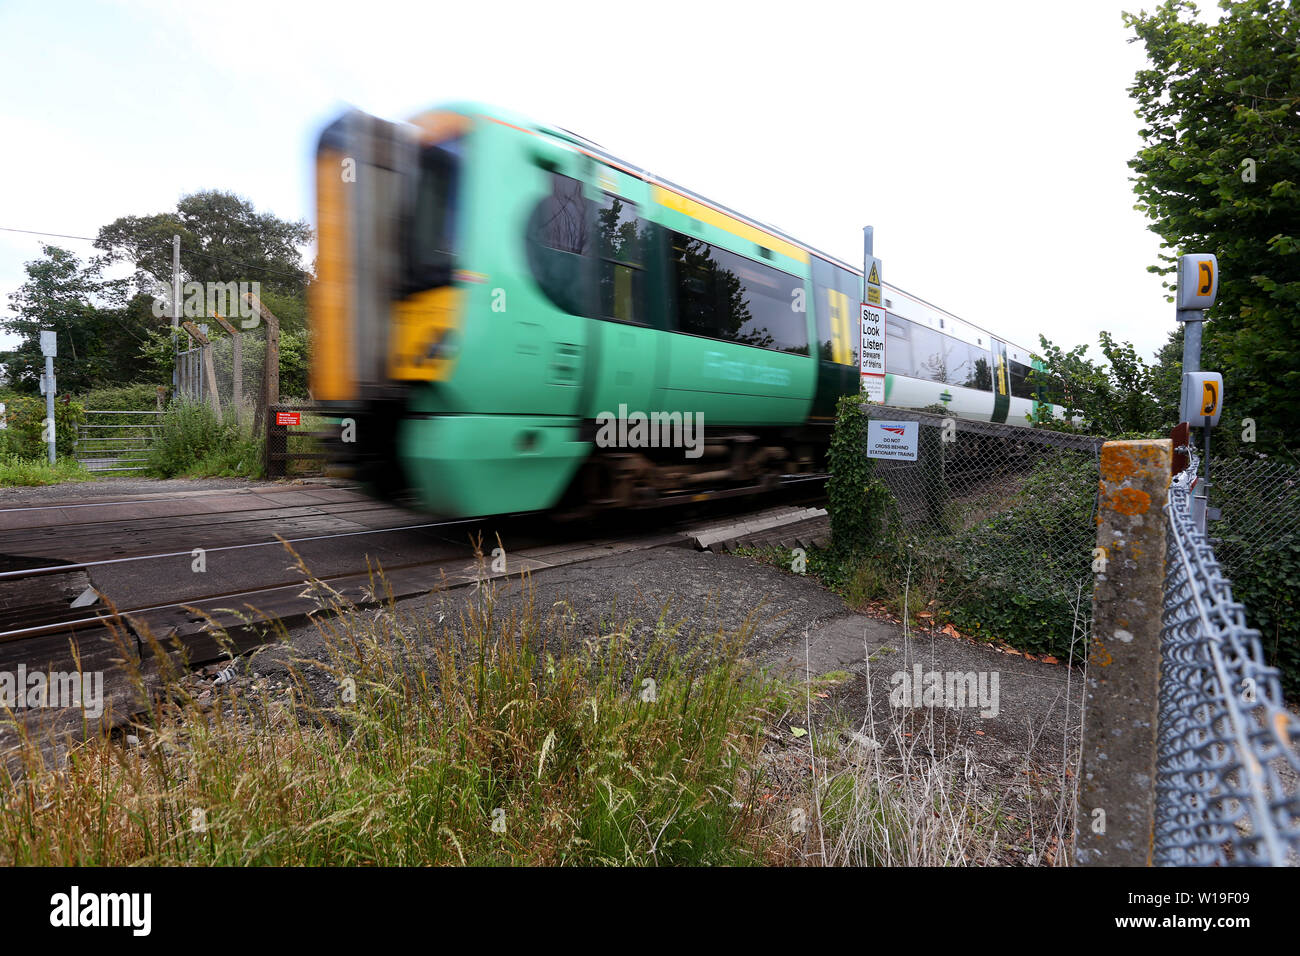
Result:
pixel 874 277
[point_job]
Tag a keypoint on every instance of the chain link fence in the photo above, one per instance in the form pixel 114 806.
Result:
pixel 239 365
pixel 1007 511
pixel 230 366
pixel 1226 763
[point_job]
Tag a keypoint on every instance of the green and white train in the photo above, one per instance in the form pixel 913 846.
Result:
pixel 490 291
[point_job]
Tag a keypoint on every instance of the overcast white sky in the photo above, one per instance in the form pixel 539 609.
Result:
pixel 986 142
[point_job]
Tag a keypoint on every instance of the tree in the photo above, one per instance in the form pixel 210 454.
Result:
pixel 1220 106
pixel 1113 400
pixel 96 339
pixel 223 239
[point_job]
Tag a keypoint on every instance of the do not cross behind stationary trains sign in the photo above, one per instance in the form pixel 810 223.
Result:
pixel 895 440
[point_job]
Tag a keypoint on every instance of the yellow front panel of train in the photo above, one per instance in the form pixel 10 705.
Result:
pixel 418 345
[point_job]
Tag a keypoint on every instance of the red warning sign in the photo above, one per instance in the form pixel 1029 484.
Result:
pixel 288 418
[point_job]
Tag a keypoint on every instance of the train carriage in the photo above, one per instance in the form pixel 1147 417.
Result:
pixel 490 291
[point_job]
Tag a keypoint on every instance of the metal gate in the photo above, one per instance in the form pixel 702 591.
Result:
pixel 114 441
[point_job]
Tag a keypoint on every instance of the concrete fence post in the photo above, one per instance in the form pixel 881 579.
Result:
pixel 1117 786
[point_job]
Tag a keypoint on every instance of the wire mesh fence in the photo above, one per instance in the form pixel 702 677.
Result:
pixel 1258 498
pixel 1009 508
pixel 226 373
pixel 239 365
pixel 1226 762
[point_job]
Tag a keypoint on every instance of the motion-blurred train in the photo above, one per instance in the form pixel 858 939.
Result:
pixel 491 293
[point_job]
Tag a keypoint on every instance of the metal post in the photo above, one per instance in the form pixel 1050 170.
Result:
pixel 176 307
pixel 1192 323
pixel 49 403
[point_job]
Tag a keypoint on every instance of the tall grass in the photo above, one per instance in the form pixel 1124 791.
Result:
pixel 498 737
pixel 194 441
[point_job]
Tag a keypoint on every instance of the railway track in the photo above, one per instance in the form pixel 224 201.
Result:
pixel 79 579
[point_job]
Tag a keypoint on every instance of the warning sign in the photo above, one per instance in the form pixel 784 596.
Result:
pixel 288 418
pixel 895 440
pixel 873 277
pixel 873 339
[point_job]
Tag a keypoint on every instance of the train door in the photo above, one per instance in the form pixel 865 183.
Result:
pixel 1001 383
pixel 837 294
pixel 627 305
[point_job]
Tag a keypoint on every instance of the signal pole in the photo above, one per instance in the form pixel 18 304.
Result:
pixel 1201 401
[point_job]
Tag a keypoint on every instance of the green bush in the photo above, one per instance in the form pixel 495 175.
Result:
pixel 861 507
pixel 196 442
pixel 25 415
pixel 1012 576
pixel 122 398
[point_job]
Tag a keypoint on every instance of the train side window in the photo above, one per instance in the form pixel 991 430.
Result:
pixel 563 225
pixel 722 295
pixel 1019 375
pixel 982 369
pixel 961 362
pixel 898 346
pixel 929 354
pixel 559 243
pixel 620 241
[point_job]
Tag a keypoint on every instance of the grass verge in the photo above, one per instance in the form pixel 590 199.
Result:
pixel 499 738
pixel 15 470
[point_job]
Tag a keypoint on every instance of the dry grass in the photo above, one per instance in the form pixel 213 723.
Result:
pixel 499 738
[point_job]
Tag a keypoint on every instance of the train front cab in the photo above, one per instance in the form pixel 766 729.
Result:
pixel 464 398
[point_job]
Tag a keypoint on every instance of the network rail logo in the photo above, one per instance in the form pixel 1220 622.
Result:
pixel 23 689
pixel 655 430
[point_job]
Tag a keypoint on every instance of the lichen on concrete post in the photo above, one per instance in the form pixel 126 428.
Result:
pixel 1117 786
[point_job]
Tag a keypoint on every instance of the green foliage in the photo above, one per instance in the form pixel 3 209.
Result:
pixel 15 470
pixel 156 355
pixel 860 504
pixel 1013 576
pixel 87 313
pixel 195 442
pixel 123 398
pixel 1117 399
pixel 1218 173
pixel 26 420
pixel 109 331
pixel 223 239
pixel 294 362
pixel 1265 577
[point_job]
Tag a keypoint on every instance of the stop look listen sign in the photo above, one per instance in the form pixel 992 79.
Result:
pixel 873 351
